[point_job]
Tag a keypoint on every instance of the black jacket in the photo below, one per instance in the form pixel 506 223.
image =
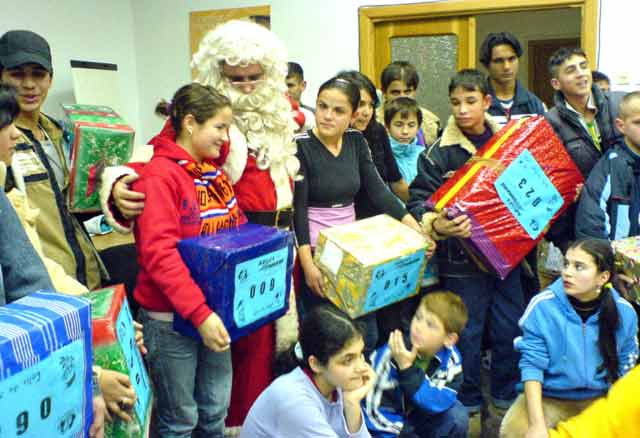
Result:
pixel 610 201
pixel 575 137
pixel 578 142
pixel 525 103
pixel 436 164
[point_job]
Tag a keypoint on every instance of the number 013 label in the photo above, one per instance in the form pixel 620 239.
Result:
pixel 260 287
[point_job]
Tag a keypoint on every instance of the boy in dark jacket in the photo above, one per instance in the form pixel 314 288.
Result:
pixel 582 119
pixel 415 392
pixel 610 202
pixel 491 302
pixel 500 54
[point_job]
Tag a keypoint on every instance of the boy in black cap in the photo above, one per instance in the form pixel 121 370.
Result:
pixel 41 157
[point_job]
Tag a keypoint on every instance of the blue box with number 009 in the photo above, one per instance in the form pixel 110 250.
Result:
pixel 45 367
pixel 245 274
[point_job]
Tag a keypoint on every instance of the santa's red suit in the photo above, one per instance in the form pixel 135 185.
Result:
pixel 252 356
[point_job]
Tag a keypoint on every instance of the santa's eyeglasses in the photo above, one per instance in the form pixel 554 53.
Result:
pixel 241 81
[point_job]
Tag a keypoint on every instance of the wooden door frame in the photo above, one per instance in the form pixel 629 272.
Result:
pixel 369 16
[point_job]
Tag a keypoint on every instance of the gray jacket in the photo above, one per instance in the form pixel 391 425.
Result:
pixel 21 269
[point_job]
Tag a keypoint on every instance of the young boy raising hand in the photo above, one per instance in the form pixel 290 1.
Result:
pixel 415 392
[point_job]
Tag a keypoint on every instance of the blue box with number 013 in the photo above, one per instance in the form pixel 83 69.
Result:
pixel 45 367
pixel 245 274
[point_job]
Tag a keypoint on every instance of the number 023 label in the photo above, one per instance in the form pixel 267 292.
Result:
pixel 528 194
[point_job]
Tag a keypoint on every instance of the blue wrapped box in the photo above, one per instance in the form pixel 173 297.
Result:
pixel 45 367
pixel 245 274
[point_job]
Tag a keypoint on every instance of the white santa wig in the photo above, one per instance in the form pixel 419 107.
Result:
pixel 240 43
pixel 264 115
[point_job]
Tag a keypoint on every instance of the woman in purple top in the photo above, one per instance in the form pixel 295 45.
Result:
pixel 320 395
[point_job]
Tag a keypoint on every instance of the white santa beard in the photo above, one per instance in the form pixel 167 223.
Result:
pixel 264 117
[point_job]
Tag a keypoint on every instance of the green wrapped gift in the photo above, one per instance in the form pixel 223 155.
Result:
pixel 99 138
pixel 628 262
pixel 114 348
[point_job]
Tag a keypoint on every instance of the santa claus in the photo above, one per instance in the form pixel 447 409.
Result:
pixel 247 63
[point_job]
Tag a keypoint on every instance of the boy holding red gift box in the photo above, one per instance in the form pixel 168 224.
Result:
pixel 498 303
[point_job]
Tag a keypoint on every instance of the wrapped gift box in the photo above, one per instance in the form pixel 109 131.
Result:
pixel 512 190
pixel 114 348
pixel 245 274
pixel 371 263
pixel 99 138
pixel 627 253
pixel 45 367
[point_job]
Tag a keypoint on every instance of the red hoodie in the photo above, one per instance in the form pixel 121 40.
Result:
pixel 171 214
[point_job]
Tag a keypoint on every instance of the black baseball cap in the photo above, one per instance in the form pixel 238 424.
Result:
pixel 18 47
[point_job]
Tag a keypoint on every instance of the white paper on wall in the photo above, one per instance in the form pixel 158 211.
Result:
pixel 96 83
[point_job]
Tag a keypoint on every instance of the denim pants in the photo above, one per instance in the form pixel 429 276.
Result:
pixel 452 423
pixel 496 304
pixel 192 383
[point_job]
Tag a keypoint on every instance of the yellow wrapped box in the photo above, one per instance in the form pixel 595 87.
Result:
pixel 370 263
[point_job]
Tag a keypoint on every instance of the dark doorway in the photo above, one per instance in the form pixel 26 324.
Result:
pixel 539 77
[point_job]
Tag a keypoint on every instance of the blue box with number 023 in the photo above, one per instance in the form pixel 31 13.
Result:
pixel 245 274
pixel 45 367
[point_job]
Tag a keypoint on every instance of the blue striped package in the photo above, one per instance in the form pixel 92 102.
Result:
pixel 45 367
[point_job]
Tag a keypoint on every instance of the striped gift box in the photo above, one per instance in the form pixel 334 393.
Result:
pixel 45 367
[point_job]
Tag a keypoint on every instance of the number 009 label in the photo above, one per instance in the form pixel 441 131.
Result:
pixel 260 287
pixel 46 400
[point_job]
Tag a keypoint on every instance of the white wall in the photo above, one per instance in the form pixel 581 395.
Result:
pixel 89 30
pixel 322 35
pixel 149 40
pixel 618 54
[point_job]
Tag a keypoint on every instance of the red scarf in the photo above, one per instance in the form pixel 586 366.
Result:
pixel 218 206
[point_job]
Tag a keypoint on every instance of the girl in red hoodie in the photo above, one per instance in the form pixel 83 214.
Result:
pixel 186 196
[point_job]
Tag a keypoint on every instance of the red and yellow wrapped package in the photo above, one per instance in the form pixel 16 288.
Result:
pixel 515 186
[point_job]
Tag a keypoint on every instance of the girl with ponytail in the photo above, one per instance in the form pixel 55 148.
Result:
pixel 579 336
pixel 186 195
pixel 326 379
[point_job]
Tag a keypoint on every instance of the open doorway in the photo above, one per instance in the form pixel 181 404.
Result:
pixel 540 33
pixel 382 29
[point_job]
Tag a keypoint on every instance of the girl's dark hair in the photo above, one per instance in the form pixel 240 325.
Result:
pixel 323 333
pixel 602 253
pixel 405 106
pixel 346 87
pixel 201 101
pixel 362 82
pixel 399 71
pixel 9 107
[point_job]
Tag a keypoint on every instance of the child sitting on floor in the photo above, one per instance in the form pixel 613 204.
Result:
pixel 415 391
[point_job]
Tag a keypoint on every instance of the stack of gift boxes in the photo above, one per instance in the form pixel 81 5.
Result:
pixel 99 137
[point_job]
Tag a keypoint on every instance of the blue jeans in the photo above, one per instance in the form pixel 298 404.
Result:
pixel 192 383
pixel 452 423
pixel 498 304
